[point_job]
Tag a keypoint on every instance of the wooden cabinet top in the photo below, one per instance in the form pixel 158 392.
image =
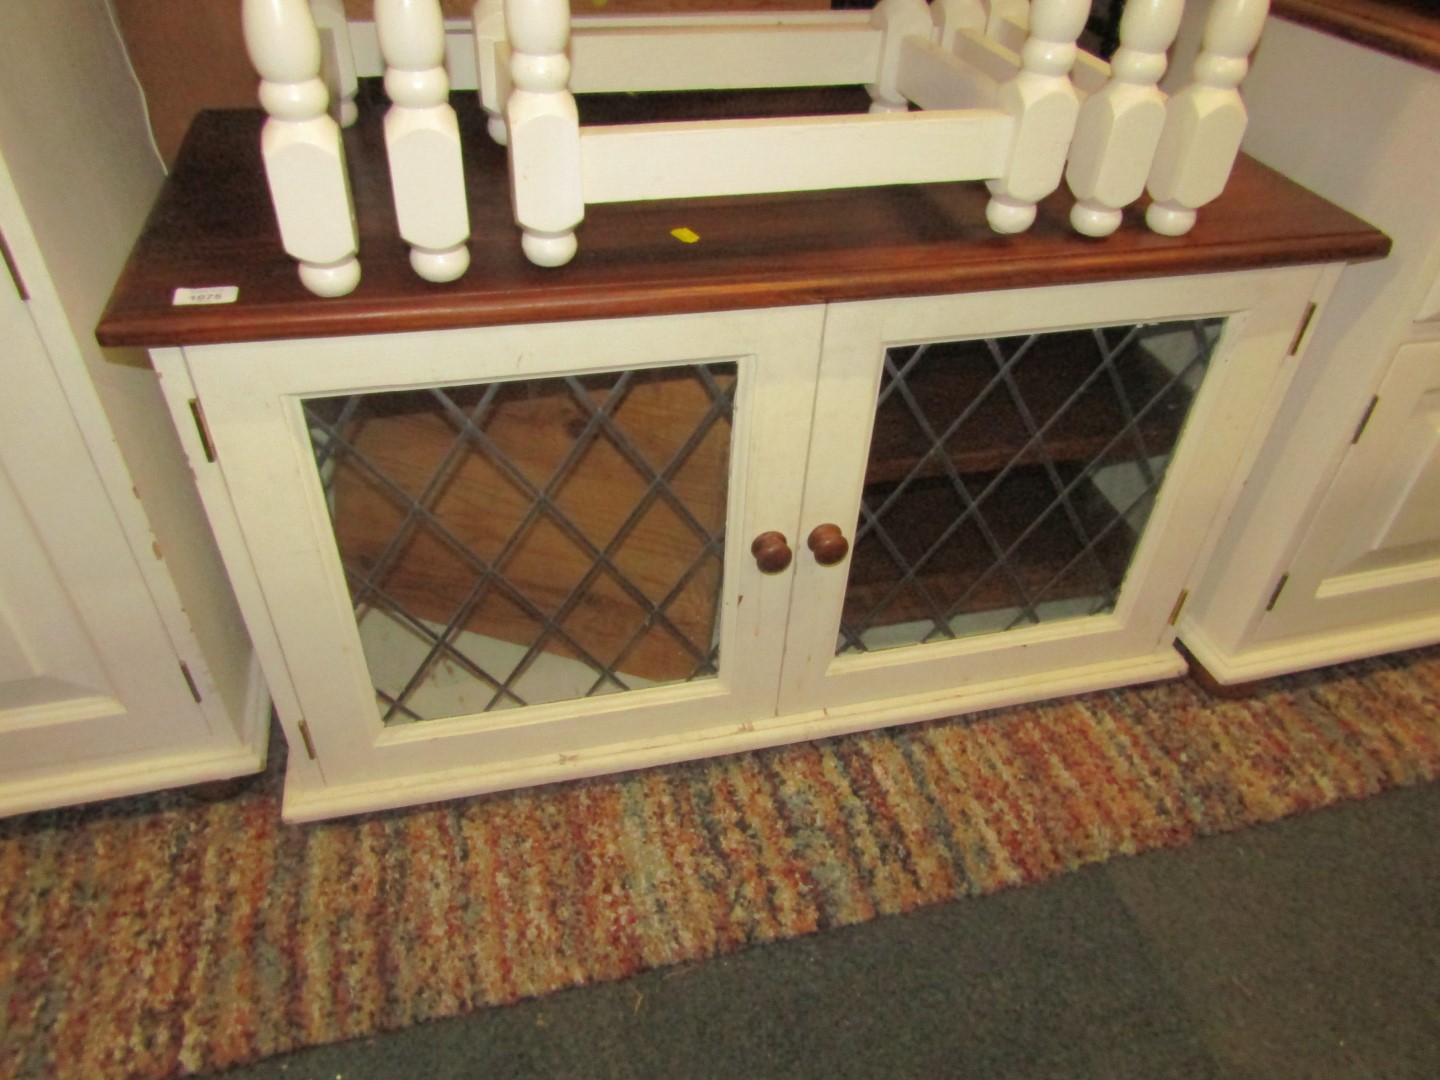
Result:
pixel 1409 29
pixel 213 226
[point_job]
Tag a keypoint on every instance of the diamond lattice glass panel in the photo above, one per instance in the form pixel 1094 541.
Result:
pixel 524 542
pixel 1010 479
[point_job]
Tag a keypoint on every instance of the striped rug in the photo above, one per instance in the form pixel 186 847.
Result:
pixel 158 936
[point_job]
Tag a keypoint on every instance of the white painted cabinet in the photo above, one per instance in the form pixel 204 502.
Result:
pixel 1371 556
pixel 124 666
pixel 1334 552
pixel 95 697
pixel 489 557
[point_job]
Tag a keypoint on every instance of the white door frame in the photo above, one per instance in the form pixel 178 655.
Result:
pixel 251 395
pixel 1133 641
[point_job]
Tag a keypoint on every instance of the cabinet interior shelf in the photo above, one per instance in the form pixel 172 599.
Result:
pixel 992 479
pixel 1058 367
pixel 1029 551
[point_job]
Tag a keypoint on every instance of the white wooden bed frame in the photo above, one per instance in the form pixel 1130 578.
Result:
pixel 999 90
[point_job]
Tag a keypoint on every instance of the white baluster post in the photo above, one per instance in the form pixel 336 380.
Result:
pixel 1119 127
pixel 544 131
pixel 301 148
pixel 422 139
pixel 1044 104
pixel 492 64
pixel 338 59
pixel 1205 122
pixel 1015 12
pixel 896 20
pixel 952 16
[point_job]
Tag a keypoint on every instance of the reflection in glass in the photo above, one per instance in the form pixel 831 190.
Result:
pixel 1010 479
pixel 514 543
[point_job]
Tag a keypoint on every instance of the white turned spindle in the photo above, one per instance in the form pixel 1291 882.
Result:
pixel 1205 122
pixel 492 64
pixel 545 178
pixel 1119 127
pixel 301 148
pixel 896 20
pixel 1005 13
pixel 1044 105
pixel 953 16
pixel 422 139
pixel 338 59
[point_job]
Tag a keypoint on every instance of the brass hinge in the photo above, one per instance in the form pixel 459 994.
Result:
pixel 9 261
pixel 1279 588
pixel 1365 420
pixel 190 681
pixel 203 430
pixel 1304 325
pixel 1179 606
pixel 305 735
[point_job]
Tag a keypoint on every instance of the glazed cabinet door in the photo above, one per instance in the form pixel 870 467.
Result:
pixel 1371 556
pixel 501 556
pixel 1024 480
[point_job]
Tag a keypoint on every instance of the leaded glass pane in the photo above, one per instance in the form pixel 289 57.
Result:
pixel 523 542
pixel 1010 479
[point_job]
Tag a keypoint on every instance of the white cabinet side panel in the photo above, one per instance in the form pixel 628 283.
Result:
pixel 1297 519
pixel 88 625
pixel 73 207
pixel 1372 553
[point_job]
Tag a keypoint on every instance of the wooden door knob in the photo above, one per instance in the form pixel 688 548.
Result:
pixel 772 552
pixel 829 544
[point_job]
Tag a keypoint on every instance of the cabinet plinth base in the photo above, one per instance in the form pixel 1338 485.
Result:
pixel 1213 686
pixel 302 803
pixel 205 769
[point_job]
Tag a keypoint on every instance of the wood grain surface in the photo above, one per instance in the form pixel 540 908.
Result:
pixel 533 424
pixel 1409 29
pixel 213 225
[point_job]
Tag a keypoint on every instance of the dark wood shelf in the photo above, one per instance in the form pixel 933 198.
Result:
pixel 965 560
pixel 955 374
pixel 213 225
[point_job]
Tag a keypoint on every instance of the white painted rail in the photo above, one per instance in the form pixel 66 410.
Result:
pixel 992 90
pixel 1205 122
pixel 338 59
pixel 1120 125
pixel 422 139
pixel 544 131
pixel 1045 105
pixel 301 148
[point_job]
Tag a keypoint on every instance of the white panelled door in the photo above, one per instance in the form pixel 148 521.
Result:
pixel 87 672
pixel 1371 555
